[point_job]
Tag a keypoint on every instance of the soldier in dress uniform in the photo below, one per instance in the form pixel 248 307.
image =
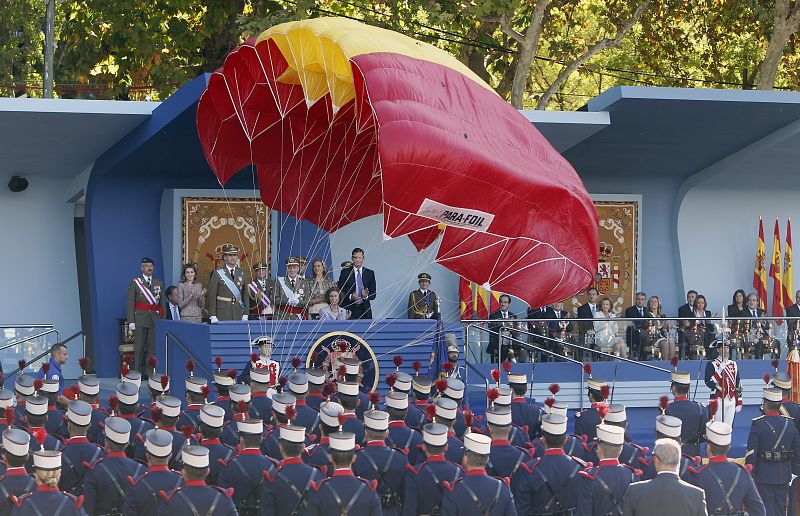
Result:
pixel 107 477
pixel 317 454
pixel 586 420
pixel 291 293
pixel 36 415
pixel 575 446
pixel 505 458
pixel 15 481
pixel 425 483
pixel 55 416
pixel 262 360
pixel 692 414
pixel 453 356
pixel 47 499
pixel 285 490
pixel 23 387
pixel 270 446
pixel 147 302
pixel 244 472
pixel 548 484
pixel 455 392
pixel 352 371
pixel 196 391
pixel 195 496
pixel 423 302
pixel 165 416
pixel 772 451
pixel 630 453
pixel 601 489
pixel 477 492
pixel 126 405
pixel 260 403
pixel 343 492
pixel 305 416
pixel 89 391
pixel 222 382
pixel 240 406
pixel 142 497
pixel 789 408
pixel 516 436
pixel 7 414
pixel 445 414
pixel 421 389
pixel 400 435
pixel 157 385
pixel 77 449
pixel 667 427
pixel 728 486
pixel 212 419
pixel 348 396
pixel 722 377
pixel 524 413
pixel 316 383
pixel 378 462
pixel 227 296
pixel 403 383
pixel 260 292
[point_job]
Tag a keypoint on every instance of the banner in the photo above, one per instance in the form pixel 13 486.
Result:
pixel 760 268
pixel 485 303
pixel 788 279
pixel 775 270
pixel 466 308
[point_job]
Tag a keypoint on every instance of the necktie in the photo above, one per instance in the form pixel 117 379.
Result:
pixel 641 312
pixel 359 285
pixel 175 315
pixel 147 280
pixel 230 272
pixel 292 282
pixel 593 310
pixel 753 312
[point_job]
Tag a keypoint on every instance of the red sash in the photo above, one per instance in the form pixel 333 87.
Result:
pixel 140 305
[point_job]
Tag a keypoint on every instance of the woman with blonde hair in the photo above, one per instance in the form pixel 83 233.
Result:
pixel 47 499
pixel 319 284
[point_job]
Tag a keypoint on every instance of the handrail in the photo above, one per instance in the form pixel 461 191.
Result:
pixel 479 373
pixel 169 335
pixel 34 359
pixel 76 334
pixel 11 326
pixel 26 339
pixel 631 319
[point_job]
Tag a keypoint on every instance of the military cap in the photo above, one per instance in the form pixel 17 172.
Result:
pixel 610 434
pixel 302 259
pixel 158 443
pixel 195 456
pixel 154 382
pixel 504 395
pixel 346 264
pixel 195 384
pixel 264 339
pixel 292 260
pixel 49 385
pixel 446 408
pixel 352 365
pixel 518 378
pixel 16 442
pixel 282 400
pixel 240 392
pixel 222 379
pixel 342 441
pixel 452 348
pixel 6 398
pixel 148 260
pixel 316 376
pixel 396 400
pixel 782 381
pixel 250 426
pixel 329 413
pixel 669 426
pixel 47 459
pixel 499 416
pixel 718 433
pixel 681 377
pixel 554 424
pixel 79 412
pixel 434 434
pixel 261 375
pixel 597 383
pixel 170 406
pixel 89 385
pixel 259 265
pixel 771 394
pixel 134 377
pixel 298 383
pixel 377 420
pixel 558 407
pixel 212 415
pixel 455 389
pixel 347 388
pixel 478 443
pixel 424 277
pixel 403 382
pixel 24 385
pixel 127 393
pixel 36 405
pixel 421 384
pixel 616 414
pixel 118 430
pixel 293 434
pixel 230 249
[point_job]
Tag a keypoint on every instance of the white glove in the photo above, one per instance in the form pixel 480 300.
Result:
pixel 738 408
pixel 213 319
pixel 132 326
pixel 294 301
pixel 244 317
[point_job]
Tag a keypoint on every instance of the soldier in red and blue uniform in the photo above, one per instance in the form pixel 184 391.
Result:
pixel 477 493
pixel 728 486
pixel 573 445
pixel 352 370
pixel 400 435
pixel 212 419
pixel 36 415
pixel 285 489
pixel 630 453
pixel 772 451
pixel 692 414
pixel 548 484
pixel 47 499
pixel 385 465
pixel 789 408
pixel 317 454
pixel 241 408
pixel 7 414
pixel 505 458
pixel 586 420
pixel 158 385
pixel 89 391
pixel 305 416
pixel 445 414
pixel 343 492
pixel 222 382
pixel 601 488
pixel 23 387
pixel 425 482
pixel 269 442
pixel 195 496
pixel 15 480
pixel 260 402
pixel 77 449
pixel 127 402
pixel 524 413
pixel 142 497
pixel 55 416
pixel 244 472
pixel 421 388
pixel 165 416
pixel 667 427
pixel 518 436
pixel 349 397
pixel 404 383
pixel 196 391
pixel 107 478
pixel 455 392
pixel 316 382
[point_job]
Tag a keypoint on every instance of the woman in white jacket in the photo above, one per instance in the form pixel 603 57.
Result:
pixel 605 332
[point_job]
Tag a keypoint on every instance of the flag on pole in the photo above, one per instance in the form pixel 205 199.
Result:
pixel 760 270
pixel 485 302
pixel 466 307
pixel 775 272
pixel 788 279
pixel 793 369
pixel 438 352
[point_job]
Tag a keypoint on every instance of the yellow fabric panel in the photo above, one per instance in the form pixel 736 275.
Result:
pixel 318 53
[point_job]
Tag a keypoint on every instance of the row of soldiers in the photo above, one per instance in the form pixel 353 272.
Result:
pixel 321 445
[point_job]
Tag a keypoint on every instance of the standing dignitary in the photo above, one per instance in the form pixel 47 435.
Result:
pixel 666 494
pixel 357 284
pixel 195 496
pixel 227 297
pixel 147 302
pixel 423 303
pixel 291 292
pixel 502 331
pixel 260 292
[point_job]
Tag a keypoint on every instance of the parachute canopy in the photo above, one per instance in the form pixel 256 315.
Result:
pixel 342 120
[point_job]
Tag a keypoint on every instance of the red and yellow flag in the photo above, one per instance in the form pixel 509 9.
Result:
pixel 760 269
pixel 465 298
pixel 775 272
pixel 793 368
pixel 485 303
pixel 788 279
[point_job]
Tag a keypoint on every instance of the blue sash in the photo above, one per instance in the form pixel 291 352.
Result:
pixel 223 274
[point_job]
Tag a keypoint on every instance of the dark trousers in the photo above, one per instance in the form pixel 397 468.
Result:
pixel 774 497
pixel 144 345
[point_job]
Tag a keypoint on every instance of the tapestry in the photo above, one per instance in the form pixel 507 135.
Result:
pixel 211 222
pixel 617 265
pixel 328 349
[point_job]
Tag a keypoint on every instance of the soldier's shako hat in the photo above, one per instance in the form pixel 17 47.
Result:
pixel 559 407
pixel 421 384
pixel 477 443
pixel 230 249
pixel 347 388
pixel 452 348
pixel 681 377
pixel 718 433
pixel 554 424
pixel 377 420
pixel 170 406
pixel 250 426
pixel 455 389
pixel 446 408
pixel 222 379
pixel 396 400
pixel 49 385
pixel 239 392
pixel 504 396
pixel 127 393
pixel 154 382
pixel 158 443
pixel 498 416
pixel 16 442
pixel 24 385
pixel 118 430
pixel 195 384
pixel 195 456
pixel 403 382
pixel 610 434
pixel 316 376
pixel 293 434
pixel 596 384
pixel 351 365
pixel 424 277
pixel 6 398
pixel 89 385
pixel 259 265
pixel 616 414
pixel 148 260
pixel 79 412
pixel 329 413
pixel 434 434
pixel 261 375
pixel 342 441
pixel 298 383
pixel 669 426
pixel 212 415
pixel 134 377
pixel 771 394
pixel 518 377
pixel 47 459
pixel 36 405
pixel 264 339
pixel 782 381
pixel 282 400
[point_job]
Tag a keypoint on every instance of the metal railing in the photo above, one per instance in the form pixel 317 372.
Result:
pixel 32 337
pixel 41 355
pixel 167 337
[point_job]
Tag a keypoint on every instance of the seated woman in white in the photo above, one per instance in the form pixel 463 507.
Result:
pixel 606 337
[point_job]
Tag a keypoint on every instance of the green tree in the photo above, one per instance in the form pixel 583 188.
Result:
pixel 21 44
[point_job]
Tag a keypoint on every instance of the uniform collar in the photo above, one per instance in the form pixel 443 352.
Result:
pixel 167 428
pixel 554 451
pixel 343 472
pixel 258 394
pixel 300 403
pixel 323 440
pixel 609 462
pixel 194 483
pixel 205 442
pixel 116 454
pixel 373 444
pixel 681 398
pixel 223 398
pixel 450 433
pixel 718 458
pixel 501 442
pixel 518 399
pixel 436 458
pixel 16 471
pixel 44 488
pixel 349 415
pixel 77 439
pixel 421 403
pixel 194 406
pixel 598 404
pixel 250 451
pixel 157 468
pixel 476 471
pixel 291 460
pixel 314 394
pixel 51 407
pixel 772 414
pixel 395 424
pixel 127 416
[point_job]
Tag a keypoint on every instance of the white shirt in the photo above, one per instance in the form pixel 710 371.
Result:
pixel 175 311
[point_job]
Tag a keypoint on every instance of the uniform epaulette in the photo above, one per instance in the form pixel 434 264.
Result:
pixel 697 460
pixel 17 500
pixel 644 460
pixel 695 471
pixel 529 467
pixel 93 464
pixel 227 492
pixel 77 500
pixel 169 496
pixel 140 438
pixel 413 470
pixel 580 461
pixel 447 485
pixel 590 473
pixel 642 449
pixel 317 485
pixel 133 481
pixel 310 450
pixel 404 451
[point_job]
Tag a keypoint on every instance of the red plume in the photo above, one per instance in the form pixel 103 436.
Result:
pixel 124 370
pixel 674 361
pixel 492 394
pixel 291 412
pixel 84 363
pixel 448 367
pixel 128 358
pixel 775 364
pixel 241 406
pixel 342 371
pixel 495 375
pixel 37 384
pixel 204 390
pixel 391 379
pixel 507 366
pixel 342 346
pixel 468 418
pixel 187 431
pixel 254 357
pixel 416 366
pixel 341 419
pixel 155 414
pixel 430 411
pixel 314 358
pixel 441 385
pixel 767 378
pixel 190 366
pixel 164 382
pixel 328 389
pixel 296 362
pixel 113 403
pixel 713 405
pixel 22 364
pixel 282 382
pixel 374 398
pixel 587 368
pixel 231 373
pixel 663 403
pixel 152 362
pixel 46 368
pixel 549 402
pixel 10 415
pixel 605 390
pixel 398 361
pixel 603 410
pixel 554 388
pixel 218 361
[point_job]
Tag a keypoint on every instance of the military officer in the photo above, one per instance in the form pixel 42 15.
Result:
pixel 404 382
pixel 400 435
pixel 223 380
pixel 772 451
pixel 789 408
pixel 244 472
pixel 7 415
pixel 285 489
pixel 126 405
pixel 316 383
pixel 142 497
pixel 667 427
pixel 728 486
pixel 157 385
pixel 305 416
pixel 260 292
pixel 586 420
pixel 630 453
pixel 195 496
pixel 425 482
pixel 505 458
pixel 524 413
pixel 343 492
pixel 55 416
pixel 548 484
pixel 317 454
pixel 348 397
pixel 147 302
pixel 107 477
pixel 451 367
pixel 423 303
pixel 168 409
pixel 15 481
pixel 602 488
pixel 421 390
pixel 445 414
pixel 212 419
pixel 378 462
pixel 477 492
pixel 240 406
pixel 36 415
pixel 196 392
pixel 47 499
pixel 227 297
pixel 693 415
pixel 291 292
pixel 89 391
pixel 77 449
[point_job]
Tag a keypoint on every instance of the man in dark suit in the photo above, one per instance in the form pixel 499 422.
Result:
pixel 540 327
pixel 666 494
pixel 635 333
pixel 357 284
pixel 495 329
pixel 687 309
pixel 173 312
pixel 587 311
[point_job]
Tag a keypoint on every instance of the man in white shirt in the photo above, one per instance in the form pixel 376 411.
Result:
pixel 173 310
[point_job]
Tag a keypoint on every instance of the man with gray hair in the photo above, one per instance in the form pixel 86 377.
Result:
pixel 666 494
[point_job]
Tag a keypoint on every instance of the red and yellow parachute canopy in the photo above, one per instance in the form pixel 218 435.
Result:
pixel 343 120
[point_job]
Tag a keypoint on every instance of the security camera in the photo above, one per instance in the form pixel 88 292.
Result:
pixel 17 184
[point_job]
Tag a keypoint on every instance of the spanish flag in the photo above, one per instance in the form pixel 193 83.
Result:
pixel 486 303
pixel 466 307
pixel 788 280
pixel 760 269
pixel 775 271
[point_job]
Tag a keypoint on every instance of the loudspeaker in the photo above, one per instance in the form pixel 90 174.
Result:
pixel 17 184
